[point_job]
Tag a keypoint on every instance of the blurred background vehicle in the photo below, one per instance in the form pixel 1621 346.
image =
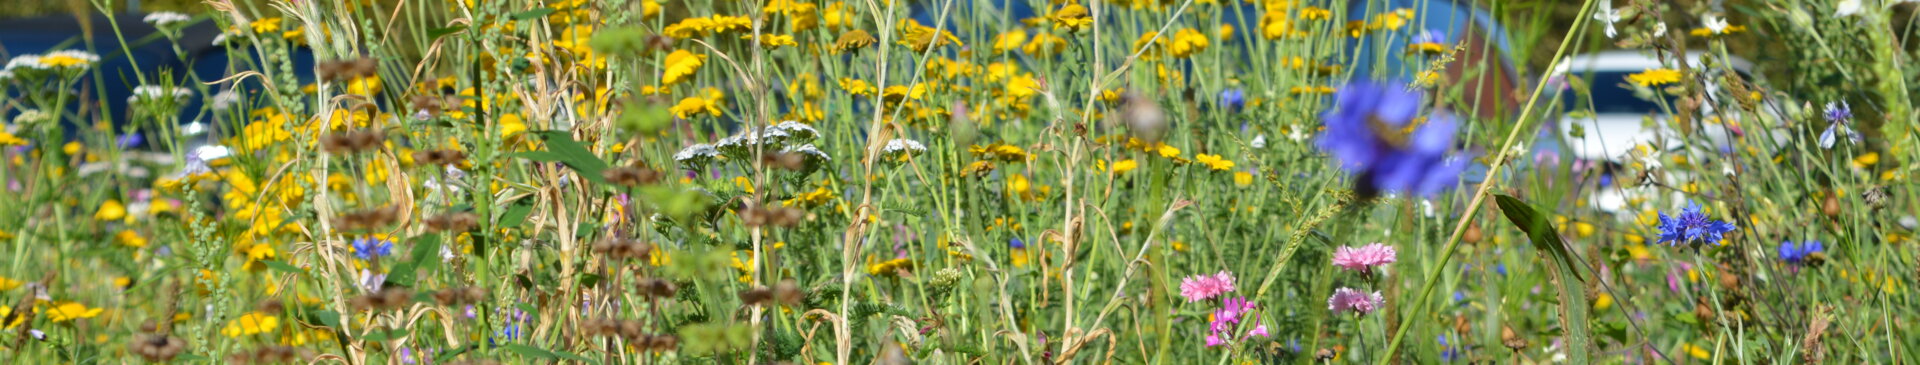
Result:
pixel 1606 123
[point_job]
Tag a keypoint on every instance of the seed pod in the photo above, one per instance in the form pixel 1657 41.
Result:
pixel 1876 197
pixel 1472 235
pixel 270 306
pixel 788 292
pixel 663 342
pixel 1703 312
pixel 1831 206
pixel 1461 326
pixel 1512 339
pixel 755 296
pixel 155 347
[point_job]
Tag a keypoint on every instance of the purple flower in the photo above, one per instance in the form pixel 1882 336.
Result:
pixel 1838 115
pixel 130 140
pixel 367 248
pixel 1372 132
pixel 1232 312
pixel 1795 254
pixel 1233 99
pixel 1358 302
pixel 1692 226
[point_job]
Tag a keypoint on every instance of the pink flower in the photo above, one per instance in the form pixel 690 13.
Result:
pixel 1358 302
pixel 1363 259
pixel 1202 287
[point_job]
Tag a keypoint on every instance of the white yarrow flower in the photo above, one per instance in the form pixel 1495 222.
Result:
pixel 151 93
pixel 166 18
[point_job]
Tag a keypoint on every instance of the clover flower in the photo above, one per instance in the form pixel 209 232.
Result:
pixel 1202 287
pixel 1373 133
pixel 1691 226
pixel 1350 300
pixel 1363 258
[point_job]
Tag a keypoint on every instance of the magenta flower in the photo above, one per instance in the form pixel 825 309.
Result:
pixel 1232 312
pixel 1201 287
pixel 1358 302
pixel 1363 259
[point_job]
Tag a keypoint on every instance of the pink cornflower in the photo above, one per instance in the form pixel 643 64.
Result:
pixel 1202 287
pixel 1349 300
pixel 1363 259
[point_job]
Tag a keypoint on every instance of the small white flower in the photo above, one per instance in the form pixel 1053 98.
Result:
pixel 371 282
pixel 31 62
pixel 1609 15
pixel 6 75
pixel 1847 8
pixel 1714 23
pixel 225 99
pixel 1259 141
pixel 1659 29
pixel 166 18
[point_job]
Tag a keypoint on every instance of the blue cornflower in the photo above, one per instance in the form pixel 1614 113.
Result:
pixel 367 248
pixel 1016 243
pixel 130 140
pixel 1372 132
pixel 1838 115
pixel 1799 253
pixel 1692 226
pixel 1233 99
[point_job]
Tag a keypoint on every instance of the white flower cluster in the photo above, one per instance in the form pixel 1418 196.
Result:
pixel 155 93
pixel 901 148
pixel 780 135
pixel 166 18
pixel 54 61
pixel 696 155
pixel 813 154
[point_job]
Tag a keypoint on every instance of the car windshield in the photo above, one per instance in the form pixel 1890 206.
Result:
pixel 1610 95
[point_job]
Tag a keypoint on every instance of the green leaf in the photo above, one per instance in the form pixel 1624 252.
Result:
pixel 449 355
pixel 516 214
pixel 1564 268
pixel 530 351
pixel 282 266
pixel 572 356
pixel 327 318
pixel 426 250
pixel 437 32
pixel 563 149
pixel 530 14
pixel 377 336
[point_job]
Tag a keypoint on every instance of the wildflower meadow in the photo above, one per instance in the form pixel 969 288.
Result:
pixel 959 181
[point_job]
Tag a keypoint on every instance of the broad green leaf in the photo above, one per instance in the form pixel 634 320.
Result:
pixel 563 149
pixel 1565 270
pixel 515 215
